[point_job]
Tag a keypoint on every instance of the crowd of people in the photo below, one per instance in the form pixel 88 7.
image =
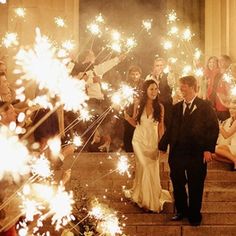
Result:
pixel 189 115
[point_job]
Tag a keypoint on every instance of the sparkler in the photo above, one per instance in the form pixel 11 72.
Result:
pixel 197 54
pixel 171 17
pixel 20 12
pixel 94 29
pixel 10 39
pixel 60 22
pixel 123 165
pixel 167 45
pixel 187 34
pixel 116 35
pixel 49 72
pixel 147 24
pixel 41 167
pixel 99 18
pixel 123 97
pixel 68 45
pixel 12 148
pixel 3 1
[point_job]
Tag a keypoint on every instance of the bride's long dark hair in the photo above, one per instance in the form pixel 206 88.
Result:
pixel 155 104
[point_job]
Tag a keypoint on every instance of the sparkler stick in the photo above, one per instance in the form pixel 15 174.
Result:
pixel 31 179
pixel 89 138
pixel 11 222
pixel 74 227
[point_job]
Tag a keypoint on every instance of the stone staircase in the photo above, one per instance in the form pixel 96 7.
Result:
pixel 95 172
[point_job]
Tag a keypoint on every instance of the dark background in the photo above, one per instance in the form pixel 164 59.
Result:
pixel 126 16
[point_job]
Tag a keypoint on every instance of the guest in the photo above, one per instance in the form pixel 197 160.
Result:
pixel 164 86
pixel 226 151
pixel 134 80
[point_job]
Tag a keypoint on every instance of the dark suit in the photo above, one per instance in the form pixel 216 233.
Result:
pixel 189 136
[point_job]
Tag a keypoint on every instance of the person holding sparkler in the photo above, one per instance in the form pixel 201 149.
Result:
pixel 134 80
pixel 147 191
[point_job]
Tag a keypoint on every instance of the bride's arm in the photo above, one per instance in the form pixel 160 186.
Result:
pixel 161 127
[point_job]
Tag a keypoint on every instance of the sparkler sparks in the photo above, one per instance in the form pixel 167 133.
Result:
pixel 94 29
pixel 171 17
pixel 123 97
pixel 99 18
pixel 197 54
pixel 68 45
pixel 3 1
pixel 41 167
pixel 123 165
pixel 147 24
pixel 16 158
pixel 42 65
pixel 10 39
pixel 20 12
pixel 60 22
pixel 187 34
pixel 167 45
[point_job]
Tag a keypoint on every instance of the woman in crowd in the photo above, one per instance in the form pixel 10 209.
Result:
pixel 147 191
pixel 226 148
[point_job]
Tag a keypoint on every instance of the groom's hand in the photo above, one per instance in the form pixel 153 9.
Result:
pixel 207 157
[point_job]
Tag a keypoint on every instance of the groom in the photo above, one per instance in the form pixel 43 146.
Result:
pixel 192 138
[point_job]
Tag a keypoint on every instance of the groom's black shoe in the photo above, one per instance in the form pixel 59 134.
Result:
pixel 178 217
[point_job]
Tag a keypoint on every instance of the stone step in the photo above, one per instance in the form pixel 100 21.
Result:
pixel 216 230
pixel 110 160
pixel 149 219
pixel 207 207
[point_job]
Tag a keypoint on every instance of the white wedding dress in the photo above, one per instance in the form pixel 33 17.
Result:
pixel 147 191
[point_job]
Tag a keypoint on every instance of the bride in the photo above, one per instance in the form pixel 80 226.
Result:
pixel 147 191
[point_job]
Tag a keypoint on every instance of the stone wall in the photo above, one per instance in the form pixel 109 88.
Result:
pixel 220 30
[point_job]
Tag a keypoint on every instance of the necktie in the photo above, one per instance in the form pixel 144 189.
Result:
pixel 187 109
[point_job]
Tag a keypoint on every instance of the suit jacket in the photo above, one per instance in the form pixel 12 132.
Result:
pixel 192 135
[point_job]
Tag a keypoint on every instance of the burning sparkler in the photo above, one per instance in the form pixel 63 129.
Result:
pixel 16 158
pixel 10 39
pixel 20 12
pixel 42 65
pixel 147 24
pixel 60 22
pixel 123 97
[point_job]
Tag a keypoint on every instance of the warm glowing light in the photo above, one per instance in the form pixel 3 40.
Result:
pixel 123 165
pixel 52 74
pixel 116 47
pixel 131 43
pixel 68 45
pixel 187 34
pixel 116 35
pixel 60 22
pixel 187 69
pixel 54 145
pixel 123 97
pixel 233 91
pixel 94 28
pixel 41 167
pixel 10 39
pixel 228 77
pixel 197 54
pixel 147 24
pixel 172 17
pixel 3 1
pixel 99 18
pixel 167 45
pixel 199 72
pixel 11 146
pixel 77 141
pixel 20 12
pixel 173 30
